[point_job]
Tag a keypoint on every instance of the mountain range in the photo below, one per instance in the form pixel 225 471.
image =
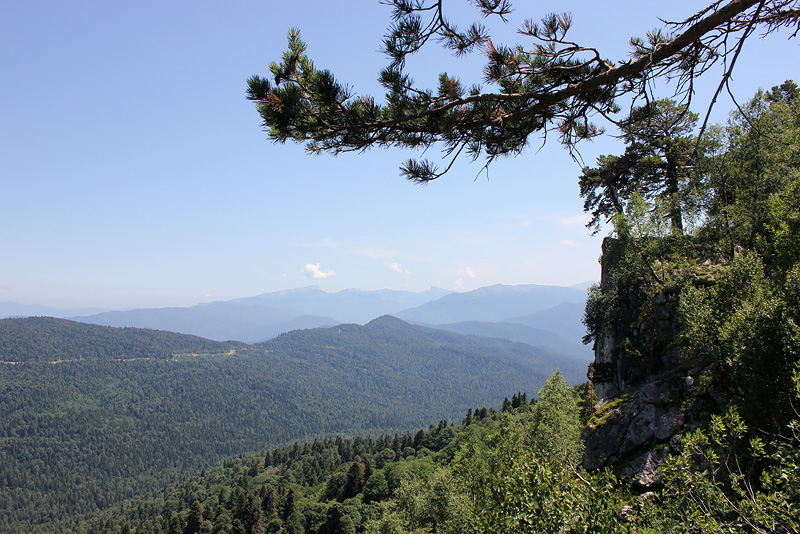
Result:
pixel 539 315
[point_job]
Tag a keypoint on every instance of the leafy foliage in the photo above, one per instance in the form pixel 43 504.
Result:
pixel 556 425
pixel 752 326
pixel 657 165
pixel 723 295
pixel 754 160
pixel 723 482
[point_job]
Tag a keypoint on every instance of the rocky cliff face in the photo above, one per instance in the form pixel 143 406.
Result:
pixel 636 432
pixel 648 396
pixel 635 349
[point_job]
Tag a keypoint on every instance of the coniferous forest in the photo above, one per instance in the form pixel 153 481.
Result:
pixel 92 415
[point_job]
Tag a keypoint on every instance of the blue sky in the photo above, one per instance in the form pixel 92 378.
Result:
pixel 135 173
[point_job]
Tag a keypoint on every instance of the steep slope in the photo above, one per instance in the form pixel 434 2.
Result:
pixel 301 322
pixel 398 344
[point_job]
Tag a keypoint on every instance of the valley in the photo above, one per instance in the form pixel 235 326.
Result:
pixel 96 414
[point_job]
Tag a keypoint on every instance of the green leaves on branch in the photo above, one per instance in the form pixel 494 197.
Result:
pixel 749 326
pixel 556 427
pixel 537 496
pixel 724 482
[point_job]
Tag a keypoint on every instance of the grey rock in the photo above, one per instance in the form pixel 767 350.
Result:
pixel 641 429
pixel 603 442
pixel 651 393
pixel 644 422
pixel 644 471
pixel 669 423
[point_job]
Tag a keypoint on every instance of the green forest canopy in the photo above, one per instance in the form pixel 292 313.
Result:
pixel 511 471
pixel 91 415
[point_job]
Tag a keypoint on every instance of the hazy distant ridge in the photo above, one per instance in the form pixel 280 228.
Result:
pixel 538 315
pixel 15 309
pixel 493 303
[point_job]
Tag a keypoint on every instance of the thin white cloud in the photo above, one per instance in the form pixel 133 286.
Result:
pixel 315 271
pixel 570 243
pixel 376 253
pixel 327 242
pixel 398 268
pixel 470 273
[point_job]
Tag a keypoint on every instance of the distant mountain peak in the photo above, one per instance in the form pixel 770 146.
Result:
pixel 292 291
pixel 491 303
pixel 386 320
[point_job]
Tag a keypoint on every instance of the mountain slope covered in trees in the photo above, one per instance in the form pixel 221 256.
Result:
pixel 513 470
pixel 79 435
pixel 46 339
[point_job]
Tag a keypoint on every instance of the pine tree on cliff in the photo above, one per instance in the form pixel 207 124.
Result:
pixel 657 164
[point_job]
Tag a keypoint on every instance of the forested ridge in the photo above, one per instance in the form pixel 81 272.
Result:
pixel 44 339
pixel 379 484
pixel 107 413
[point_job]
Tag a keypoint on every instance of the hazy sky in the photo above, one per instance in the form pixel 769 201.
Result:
pixel 135 173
